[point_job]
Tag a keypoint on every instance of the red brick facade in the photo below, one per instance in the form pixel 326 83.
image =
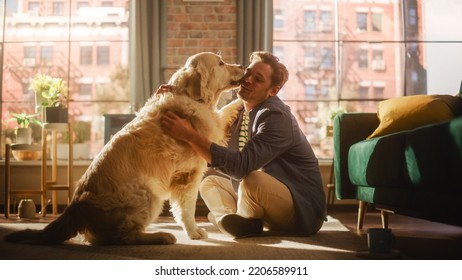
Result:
pixel 201 26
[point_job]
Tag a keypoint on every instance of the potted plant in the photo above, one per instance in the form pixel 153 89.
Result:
pixel 24 131
pixel 24 136
pixel 51 94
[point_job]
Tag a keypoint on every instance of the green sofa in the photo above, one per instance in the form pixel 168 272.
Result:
pixel 415 172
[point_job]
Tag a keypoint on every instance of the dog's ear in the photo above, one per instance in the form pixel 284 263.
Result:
pixel 197 81
pixel 204 94
pixel 194 81
pixel 187 82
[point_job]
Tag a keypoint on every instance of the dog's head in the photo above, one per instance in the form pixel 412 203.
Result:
pixel 205 76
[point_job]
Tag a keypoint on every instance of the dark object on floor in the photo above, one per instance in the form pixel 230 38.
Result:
pixel 240 227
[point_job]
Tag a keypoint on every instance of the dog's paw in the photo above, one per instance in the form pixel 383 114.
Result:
pixel 166 238
pixel 198 234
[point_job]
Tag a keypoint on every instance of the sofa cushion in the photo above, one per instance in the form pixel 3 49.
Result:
pixel 434 155
pixel 408 112
pixel 379 162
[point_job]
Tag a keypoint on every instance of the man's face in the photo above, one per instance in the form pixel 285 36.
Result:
pixel 256 84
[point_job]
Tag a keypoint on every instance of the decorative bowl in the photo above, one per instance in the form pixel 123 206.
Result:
pixel 27 155
pixel 26 152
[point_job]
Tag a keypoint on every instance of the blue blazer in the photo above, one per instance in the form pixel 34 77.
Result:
pixel 278 147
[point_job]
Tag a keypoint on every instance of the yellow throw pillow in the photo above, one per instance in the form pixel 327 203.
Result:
pixel 408 112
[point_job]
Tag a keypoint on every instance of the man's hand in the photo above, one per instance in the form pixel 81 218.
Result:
pixel 181 129
pixel 176 127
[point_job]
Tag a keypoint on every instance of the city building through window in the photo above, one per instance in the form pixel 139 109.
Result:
pixel 349 55
pixel 83 42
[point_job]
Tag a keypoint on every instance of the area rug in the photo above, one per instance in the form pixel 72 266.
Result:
pixel 333 242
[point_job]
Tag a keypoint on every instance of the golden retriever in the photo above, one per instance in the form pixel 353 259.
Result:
pixel 126 185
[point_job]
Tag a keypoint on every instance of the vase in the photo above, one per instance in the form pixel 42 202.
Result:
pixel 56 115
pixel 26 209
pixel 24 135
pixel 38 101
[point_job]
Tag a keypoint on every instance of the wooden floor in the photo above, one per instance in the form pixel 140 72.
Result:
pixel 414 238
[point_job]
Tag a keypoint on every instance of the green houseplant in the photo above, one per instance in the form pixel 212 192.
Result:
pixel 23 120
pixel 24 131
pixel 24 136
pixel 51 93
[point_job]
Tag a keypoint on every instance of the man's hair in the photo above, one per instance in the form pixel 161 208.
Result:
pixel 280 74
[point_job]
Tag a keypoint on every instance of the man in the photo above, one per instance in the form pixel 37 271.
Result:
pixel 280 182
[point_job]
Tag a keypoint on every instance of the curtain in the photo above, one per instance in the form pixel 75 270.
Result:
pixel 147 48
pixel 254 28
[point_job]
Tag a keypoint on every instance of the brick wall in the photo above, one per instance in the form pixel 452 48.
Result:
pixel 200 26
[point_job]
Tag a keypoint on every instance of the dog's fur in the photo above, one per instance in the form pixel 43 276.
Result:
pixel 125 187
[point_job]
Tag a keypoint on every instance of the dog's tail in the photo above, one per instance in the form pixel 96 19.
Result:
pixel 63 228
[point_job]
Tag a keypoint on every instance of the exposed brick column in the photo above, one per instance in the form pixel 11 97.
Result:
pixel 200 26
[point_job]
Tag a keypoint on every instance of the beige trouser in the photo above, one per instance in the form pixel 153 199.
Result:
pixel 260 196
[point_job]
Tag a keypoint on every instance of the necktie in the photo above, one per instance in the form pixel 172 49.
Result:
pixel 244 131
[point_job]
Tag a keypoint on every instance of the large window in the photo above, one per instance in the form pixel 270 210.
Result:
pixel 83 42
pixel 349 55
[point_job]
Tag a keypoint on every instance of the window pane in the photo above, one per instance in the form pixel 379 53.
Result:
pixel 25 60
pixel 309 21
pixel 46 54
pixel 102 55
pixel 369 66
pixel 306 20
pixel 33 7
pixel 85 90
pixel 438 71
pixel 311 68
pixel 97 23
pixel 91 55
pixel 58 8
pixel 327 58
pixel 377 22
pixel 86 55
pixel 326 21
pixel 361 20
pixel 440 20
pixel 106 81
pixel 383 49
pixel 310 62
pixel 30 54
pixel 35 22
pixel 278 19
pixel 363 58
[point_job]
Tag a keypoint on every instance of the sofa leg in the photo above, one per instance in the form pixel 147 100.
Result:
pixel 384 215
pixel 361 213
